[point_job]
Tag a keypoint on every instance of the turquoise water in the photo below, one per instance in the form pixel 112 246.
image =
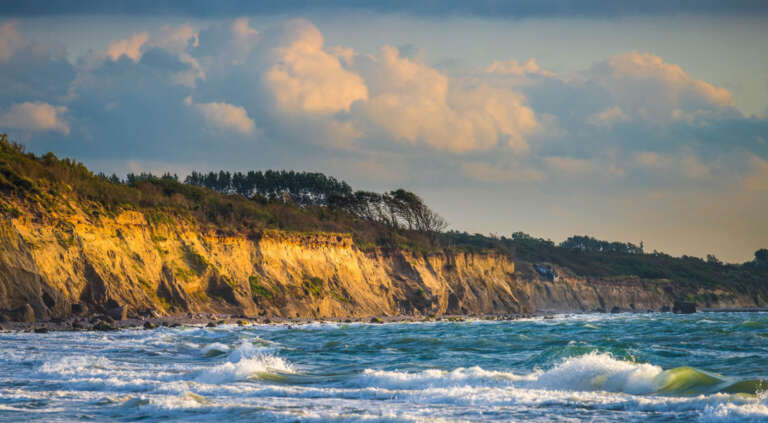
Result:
pixel 627 367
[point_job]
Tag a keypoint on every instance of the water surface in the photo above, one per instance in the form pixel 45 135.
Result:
pixel 627 367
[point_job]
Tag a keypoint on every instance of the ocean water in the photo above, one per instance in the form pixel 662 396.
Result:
pixel 708 367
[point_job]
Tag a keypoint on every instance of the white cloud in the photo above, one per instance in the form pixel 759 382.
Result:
pixel 11 40
pixel 175 39
pixel 35 116
pixel 644 86
pixel 130 47
pixel 303 77
pixel 224 116
pixel 415 103
pixel 512 67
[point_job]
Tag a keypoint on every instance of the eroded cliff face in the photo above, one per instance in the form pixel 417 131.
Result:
pixel 164 264
pixel 569 293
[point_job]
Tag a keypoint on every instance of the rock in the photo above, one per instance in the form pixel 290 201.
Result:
pixel 684 307
pixel 149 325
pixel 24 313
pixel 241 323
pixel 665 309
pixel 103 326
pixel 2 329
pixel 267 321
pixel 211 325
pixel 77 325
pixel 41 330
pixel 615 310
pixel 118 313
pixel 376 320
pixel 79 309
pixel 175 325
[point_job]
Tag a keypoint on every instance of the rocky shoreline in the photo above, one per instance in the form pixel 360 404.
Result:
pixel 106 323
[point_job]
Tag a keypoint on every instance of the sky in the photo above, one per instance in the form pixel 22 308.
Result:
pixel 643 122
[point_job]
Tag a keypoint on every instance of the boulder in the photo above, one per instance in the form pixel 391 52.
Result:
pixel 78 308
pixel 149 325
pixel 24 313
pixel 118 313
pixel 103 326
pixel 684 307
pixel 376 320
pixel 211 325
pixel 665 309
pixel 41 330
pixel 615 310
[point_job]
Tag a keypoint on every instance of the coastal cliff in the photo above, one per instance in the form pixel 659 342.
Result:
pixel 162 264
pixel 304 245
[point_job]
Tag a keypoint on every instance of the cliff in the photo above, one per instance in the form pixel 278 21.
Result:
pixel 155 262
pixel 166 264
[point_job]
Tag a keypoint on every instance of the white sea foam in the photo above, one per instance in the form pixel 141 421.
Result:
pixel 243 363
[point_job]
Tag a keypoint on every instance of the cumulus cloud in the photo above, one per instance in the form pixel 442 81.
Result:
pixel 176 40
pixel 414 103
pixel 645 86
pixel 224 116
pixel 302 76
pixel 35 116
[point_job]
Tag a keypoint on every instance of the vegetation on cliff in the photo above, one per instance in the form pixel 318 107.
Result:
pixel 248 203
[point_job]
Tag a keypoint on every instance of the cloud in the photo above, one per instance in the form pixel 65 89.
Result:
pixel 645 86
pixel 129 47
pixel 512 67
pixel 11 40
pixel 243 39
pixel 303 77
pixel 176 40
pixel 416 104
pixel 224 116
pixel 484 172
pixel 608 117
pixel 35 116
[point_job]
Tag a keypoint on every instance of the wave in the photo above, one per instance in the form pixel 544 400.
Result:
pixel 589 372
pixel 247 362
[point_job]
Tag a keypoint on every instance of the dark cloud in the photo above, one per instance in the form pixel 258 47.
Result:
pixel 482 8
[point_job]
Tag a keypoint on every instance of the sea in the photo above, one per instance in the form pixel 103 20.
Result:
pixel 656 367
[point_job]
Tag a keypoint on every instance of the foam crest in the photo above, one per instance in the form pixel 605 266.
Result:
pixel 600 372
pixel 435 378
pixel 246 362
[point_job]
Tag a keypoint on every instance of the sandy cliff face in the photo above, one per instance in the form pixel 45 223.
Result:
pixel 156 262
pixel 168 264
